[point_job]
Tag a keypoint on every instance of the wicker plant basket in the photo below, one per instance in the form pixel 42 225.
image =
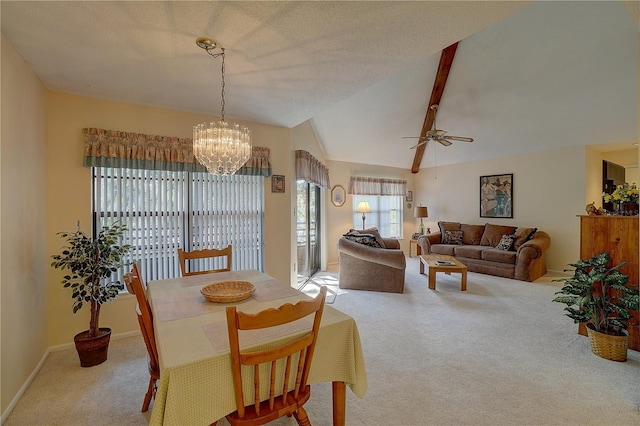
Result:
pixel 609 347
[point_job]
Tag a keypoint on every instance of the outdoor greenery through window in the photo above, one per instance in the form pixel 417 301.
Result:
pixel 166 210
pixel 386 214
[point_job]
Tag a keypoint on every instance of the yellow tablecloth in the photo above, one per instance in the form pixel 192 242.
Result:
pixel 196 384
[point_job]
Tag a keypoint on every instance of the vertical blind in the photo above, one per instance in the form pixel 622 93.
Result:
pixel 164 210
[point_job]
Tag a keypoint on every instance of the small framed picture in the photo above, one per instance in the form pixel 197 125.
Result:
pixel 277 183
pixel 409 196
pixel 338 195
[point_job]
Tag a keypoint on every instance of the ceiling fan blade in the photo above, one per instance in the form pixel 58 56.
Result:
pixel 420 144
pixel 460 138
pixel 415 137
pixel 444 142
pixel 438 132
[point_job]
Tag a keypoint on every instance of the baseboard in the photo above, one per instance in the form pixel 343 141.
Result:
pixel 24 387
pixel 36 370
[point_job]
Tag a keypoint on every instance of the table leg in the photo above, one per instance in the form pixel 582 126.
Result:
pixel 339 403
pixel 421 266
pixel 463 285
pixel 432 278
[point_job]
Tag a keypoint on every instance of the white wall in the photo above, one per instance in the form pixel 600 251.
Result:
pixel 548 193
pixel 23 218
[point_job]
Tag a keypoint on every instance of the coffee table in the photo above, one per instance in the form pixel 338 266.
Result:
pixel 431 260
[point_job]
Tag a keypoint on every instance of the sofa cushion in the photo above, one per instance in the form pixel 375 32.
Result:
pixel 492 234
pixel 500 256
pixel 452 237
pixel 471 233
pixel 443 249
pixel 470 251
pixel 506 242
pixel 522 236
pixel 366 239
pixel 450 226
pixel 370 231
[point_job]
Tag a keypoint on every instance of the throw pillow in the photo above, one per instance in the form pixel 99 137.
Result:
pixel 365 239
pixel 506 242
pixel 452 237
pixel 492 234
pixel 522 236
pixel 371 231
pixel 472 234
pixel 444 226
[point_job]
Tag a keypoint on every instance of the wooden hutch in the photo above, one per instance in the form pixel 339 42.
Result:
pixel 617 235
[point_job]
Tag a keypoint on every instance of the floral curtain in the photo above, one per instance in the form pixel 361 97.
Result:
pixel 310 169
pixel 359 185
pixel 112 148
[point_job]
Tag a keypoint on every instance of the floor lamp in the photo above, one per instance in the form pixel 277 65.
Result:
pixel 363 207
pixel 421 212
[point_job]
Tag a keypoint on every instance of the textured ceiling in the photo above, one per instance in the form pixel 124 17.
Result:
pixel 526 76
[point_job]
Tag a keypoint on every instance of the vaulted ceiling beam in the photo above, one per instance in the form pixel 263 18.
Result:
pixel 446 59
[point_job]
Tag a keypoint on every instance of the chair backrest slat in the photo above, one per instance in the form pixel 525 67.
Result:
pixel 303 346
pixel 185 256
pixel 135 286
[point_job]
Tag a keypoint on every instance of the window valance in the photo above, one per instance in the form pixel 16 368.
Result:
pixel 359 185
pixel 112 148
pixel 311 169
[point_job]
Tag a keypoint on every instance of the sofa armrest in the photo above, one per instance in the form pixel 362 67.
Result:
pixel 425 241
pixel 540 242
pixel 391 243
pixel 389 257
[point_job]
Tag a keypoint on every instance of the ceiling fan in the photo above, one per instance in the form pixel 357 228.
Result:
pixel 437 135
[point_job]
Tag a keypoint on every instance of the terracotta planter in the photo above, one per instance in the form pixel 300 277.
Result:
pixel 92 350
pixel 607 346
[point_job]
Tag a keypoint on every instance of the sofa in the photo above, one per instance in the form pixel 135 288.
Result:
pixel 501 250
pixel 370 262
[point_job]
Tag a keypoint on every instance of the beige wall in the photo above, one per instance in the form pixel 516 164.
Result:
pixel 340 219
pixel 23 214
pixel 69 193
pixel 548 192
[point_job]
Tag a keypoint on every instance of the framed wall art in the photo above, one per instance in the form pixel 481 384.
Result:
pixel 338 195
pixel 409 196
pixel 496 196
pixel 277 183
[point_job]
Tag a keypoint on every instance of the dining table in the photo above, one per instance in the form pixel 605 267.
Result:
pixel 196 382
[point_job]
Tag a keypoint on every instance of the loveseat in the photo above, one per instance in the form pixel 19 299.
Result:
pixel 501 250
pixel 370 262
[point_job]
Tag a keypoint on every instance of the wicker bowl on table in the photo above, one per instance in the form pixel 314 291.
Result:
pixel 228 291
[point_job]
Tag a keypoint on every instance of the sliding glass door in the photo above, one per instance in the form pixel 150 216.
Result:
pixel 308 230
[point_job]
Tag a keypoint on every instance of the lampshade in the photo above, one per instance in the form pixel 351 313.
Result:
pixel 220 148
pixel 420 211
pixel 363 207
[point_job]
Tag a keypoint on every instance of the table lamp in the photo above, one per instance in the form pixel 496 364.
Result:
pixel 421 211
pixel 363 207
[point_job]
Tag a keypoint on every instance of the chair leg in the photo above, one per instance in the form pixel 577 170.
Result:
pixel 301 417
pixel 150 393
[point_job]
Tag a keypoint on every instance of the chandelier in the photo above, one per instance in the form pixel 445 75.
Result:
pixel 221 148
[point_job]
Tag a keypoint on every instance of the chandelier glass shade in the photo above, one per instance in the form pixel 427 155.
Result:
pixel 221 148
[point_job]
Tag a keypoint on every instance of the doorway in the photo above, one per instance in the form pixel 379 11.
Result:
pixel 307 230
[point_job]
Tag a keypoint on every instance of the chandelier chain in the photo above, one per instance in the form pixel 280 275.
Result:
pixel 222 100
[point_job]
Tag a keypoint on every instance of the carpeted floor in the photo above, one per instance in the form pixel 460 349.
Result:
pixel 500 353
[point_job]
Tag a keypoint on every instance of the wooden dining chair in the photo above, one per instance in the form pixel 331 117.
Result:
pixel 275 365
pixel 136 286
pixel 185 256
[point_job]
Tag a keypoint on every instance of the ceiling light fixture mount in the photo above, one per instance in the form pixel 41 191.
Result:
pixel 220 148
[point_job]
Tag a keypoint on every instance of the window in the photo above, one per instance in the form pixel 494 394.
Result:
pixel 164 210
pixel 386 214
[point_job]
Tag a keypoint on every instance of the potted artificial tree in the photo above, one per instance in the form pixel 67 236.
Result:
pixel 91 263
pixel 598 296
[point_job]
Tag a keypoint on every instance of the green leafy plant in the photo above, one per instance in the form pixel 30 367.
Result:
pixel 597 294
pixel 91 263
